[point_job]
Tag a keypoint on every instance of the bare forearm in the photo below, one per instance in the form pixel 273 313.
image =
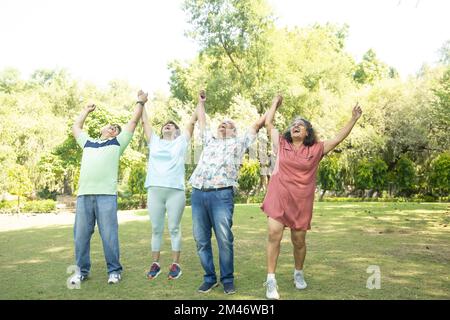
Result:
pixel 191 124
pixel 260 122
pixel 146 124
pixel 331 144
pixel 270 114
pixel 79 121
pixel 345 131
pixel 137 114
pixel 201 116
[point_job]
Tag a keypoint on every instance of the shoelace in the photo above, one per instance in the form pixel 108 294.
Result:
pixel 299 278
pixel 154 267
pixel 174 267
pixel 271 285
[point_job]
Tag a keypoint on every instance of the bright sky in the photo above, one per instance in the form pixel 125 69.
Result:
pixel 101 40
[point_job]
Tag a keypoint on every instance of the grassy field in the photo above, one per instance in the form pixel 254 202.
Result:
pixel 410 243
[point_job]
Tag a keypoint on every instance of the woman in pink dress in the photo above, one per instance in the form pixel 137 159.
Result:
pixel 290 193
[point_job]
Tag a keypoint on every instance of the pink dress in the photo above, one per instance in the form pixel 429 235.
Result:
pixel 290 193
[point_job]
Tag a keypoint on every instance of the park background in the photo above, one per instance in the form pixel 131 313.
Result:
pixel 396 161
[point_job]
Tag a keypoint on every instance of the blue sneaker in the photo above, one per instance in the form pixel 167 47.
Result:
pixel 207 287
pixel 155 270
pixel 175 271
pixel 228 288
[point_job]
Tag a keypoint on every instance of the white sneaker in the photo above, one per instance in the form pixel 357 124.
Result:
pixel 272 289
pixel 299 281
pixel 77 278
pixel 114 278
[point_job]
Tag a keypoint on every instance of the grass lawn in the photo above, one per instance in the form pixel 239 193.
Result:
pixel 410 243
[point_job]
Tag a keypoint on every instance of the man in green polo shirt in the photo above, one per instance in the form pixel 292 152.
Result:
pixel 97 192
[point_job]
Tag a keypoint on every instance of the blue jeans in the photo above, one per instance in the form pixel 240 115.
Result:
pixel 103 209
pixel 214 210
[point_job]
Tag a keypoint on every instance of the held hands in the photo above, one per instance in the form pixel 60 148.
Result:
pixel 202 96
pixel 142 96
pixel 356 112
pixel 278 100
pixel 90 107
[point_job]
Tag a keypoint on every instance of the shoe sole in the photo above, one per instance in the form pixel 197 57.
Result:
pixel 214 286
pixel 229 292
pixel 302 288
pixel 173 278
pixel 78 282
pixel 151 278
pixel 114 282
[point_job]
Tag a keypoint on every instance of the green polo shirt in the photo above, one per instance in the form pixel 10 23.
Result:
pixel 100 163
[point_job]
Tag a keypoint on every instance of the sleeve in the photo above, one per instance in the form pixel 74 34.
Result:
pixel 319 148
pixel 124 139
pixel 154 139
pixel 82 139
pixel 206 136
pixel 247 140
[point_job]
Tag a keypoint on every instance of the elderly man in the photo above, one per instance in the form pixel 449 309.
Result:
pixel 213 183
pixel 97 191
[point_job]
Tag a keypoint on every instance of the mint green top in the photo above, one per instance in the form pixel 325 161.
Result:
pixel 100 163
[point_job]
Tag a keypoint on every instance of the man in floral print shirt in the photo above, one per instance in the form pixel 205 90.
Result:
pixel 213 183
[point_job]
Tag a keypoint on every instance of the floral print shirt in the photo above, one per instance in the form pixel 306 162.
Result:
pixel 219 163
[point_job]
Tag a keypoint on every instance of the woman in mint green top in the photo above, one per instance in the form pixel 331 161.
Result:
pixel 165 187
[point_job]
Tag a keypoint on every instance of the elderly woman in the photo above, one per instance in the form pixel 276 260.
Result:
pixel 290 193
pixel 166 188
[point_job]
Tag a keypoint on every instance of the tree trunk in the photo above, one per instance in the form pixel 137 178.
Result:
pixel 67 188
pixel 18 204
pixel 322 194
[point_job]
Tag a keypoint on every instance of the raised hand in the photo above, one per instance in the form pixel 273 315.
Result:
pixel 356 112
pixel 278 100
pixel 202 96
pixel 142 96
pixel 90 107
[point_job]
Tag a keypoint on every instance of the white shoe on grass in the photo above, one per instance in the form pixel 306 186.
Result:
pixel 299 281
pixel 114 278
pixel 77 279
pixel 272 289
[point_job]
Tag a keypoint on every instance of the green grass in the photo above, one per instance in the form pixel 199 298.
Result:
pixel 409 242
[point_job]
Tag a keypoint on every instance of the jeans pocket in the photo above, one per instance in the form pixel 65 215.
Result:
pixel 225 195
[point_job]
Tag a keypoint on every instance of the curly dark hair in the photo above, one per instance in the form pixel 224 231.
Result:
pixel 310 139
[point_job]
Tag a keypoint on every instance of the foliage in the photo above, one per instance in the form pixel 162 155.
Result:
pixel 329 176
pixel 249 176
pixel 404 177
pixel 440 174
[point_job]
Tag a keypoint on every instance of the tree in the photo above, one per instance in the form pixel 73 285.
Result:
pixel 371 69
pixel 136 181
pixel 404 176
pixel 444 53
pixel 371 175
pixel 329 175
pixel 10 80
pixel 233 35
pixel 249 176
pixel 440 112
pixel 19 183
pixel 439 178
